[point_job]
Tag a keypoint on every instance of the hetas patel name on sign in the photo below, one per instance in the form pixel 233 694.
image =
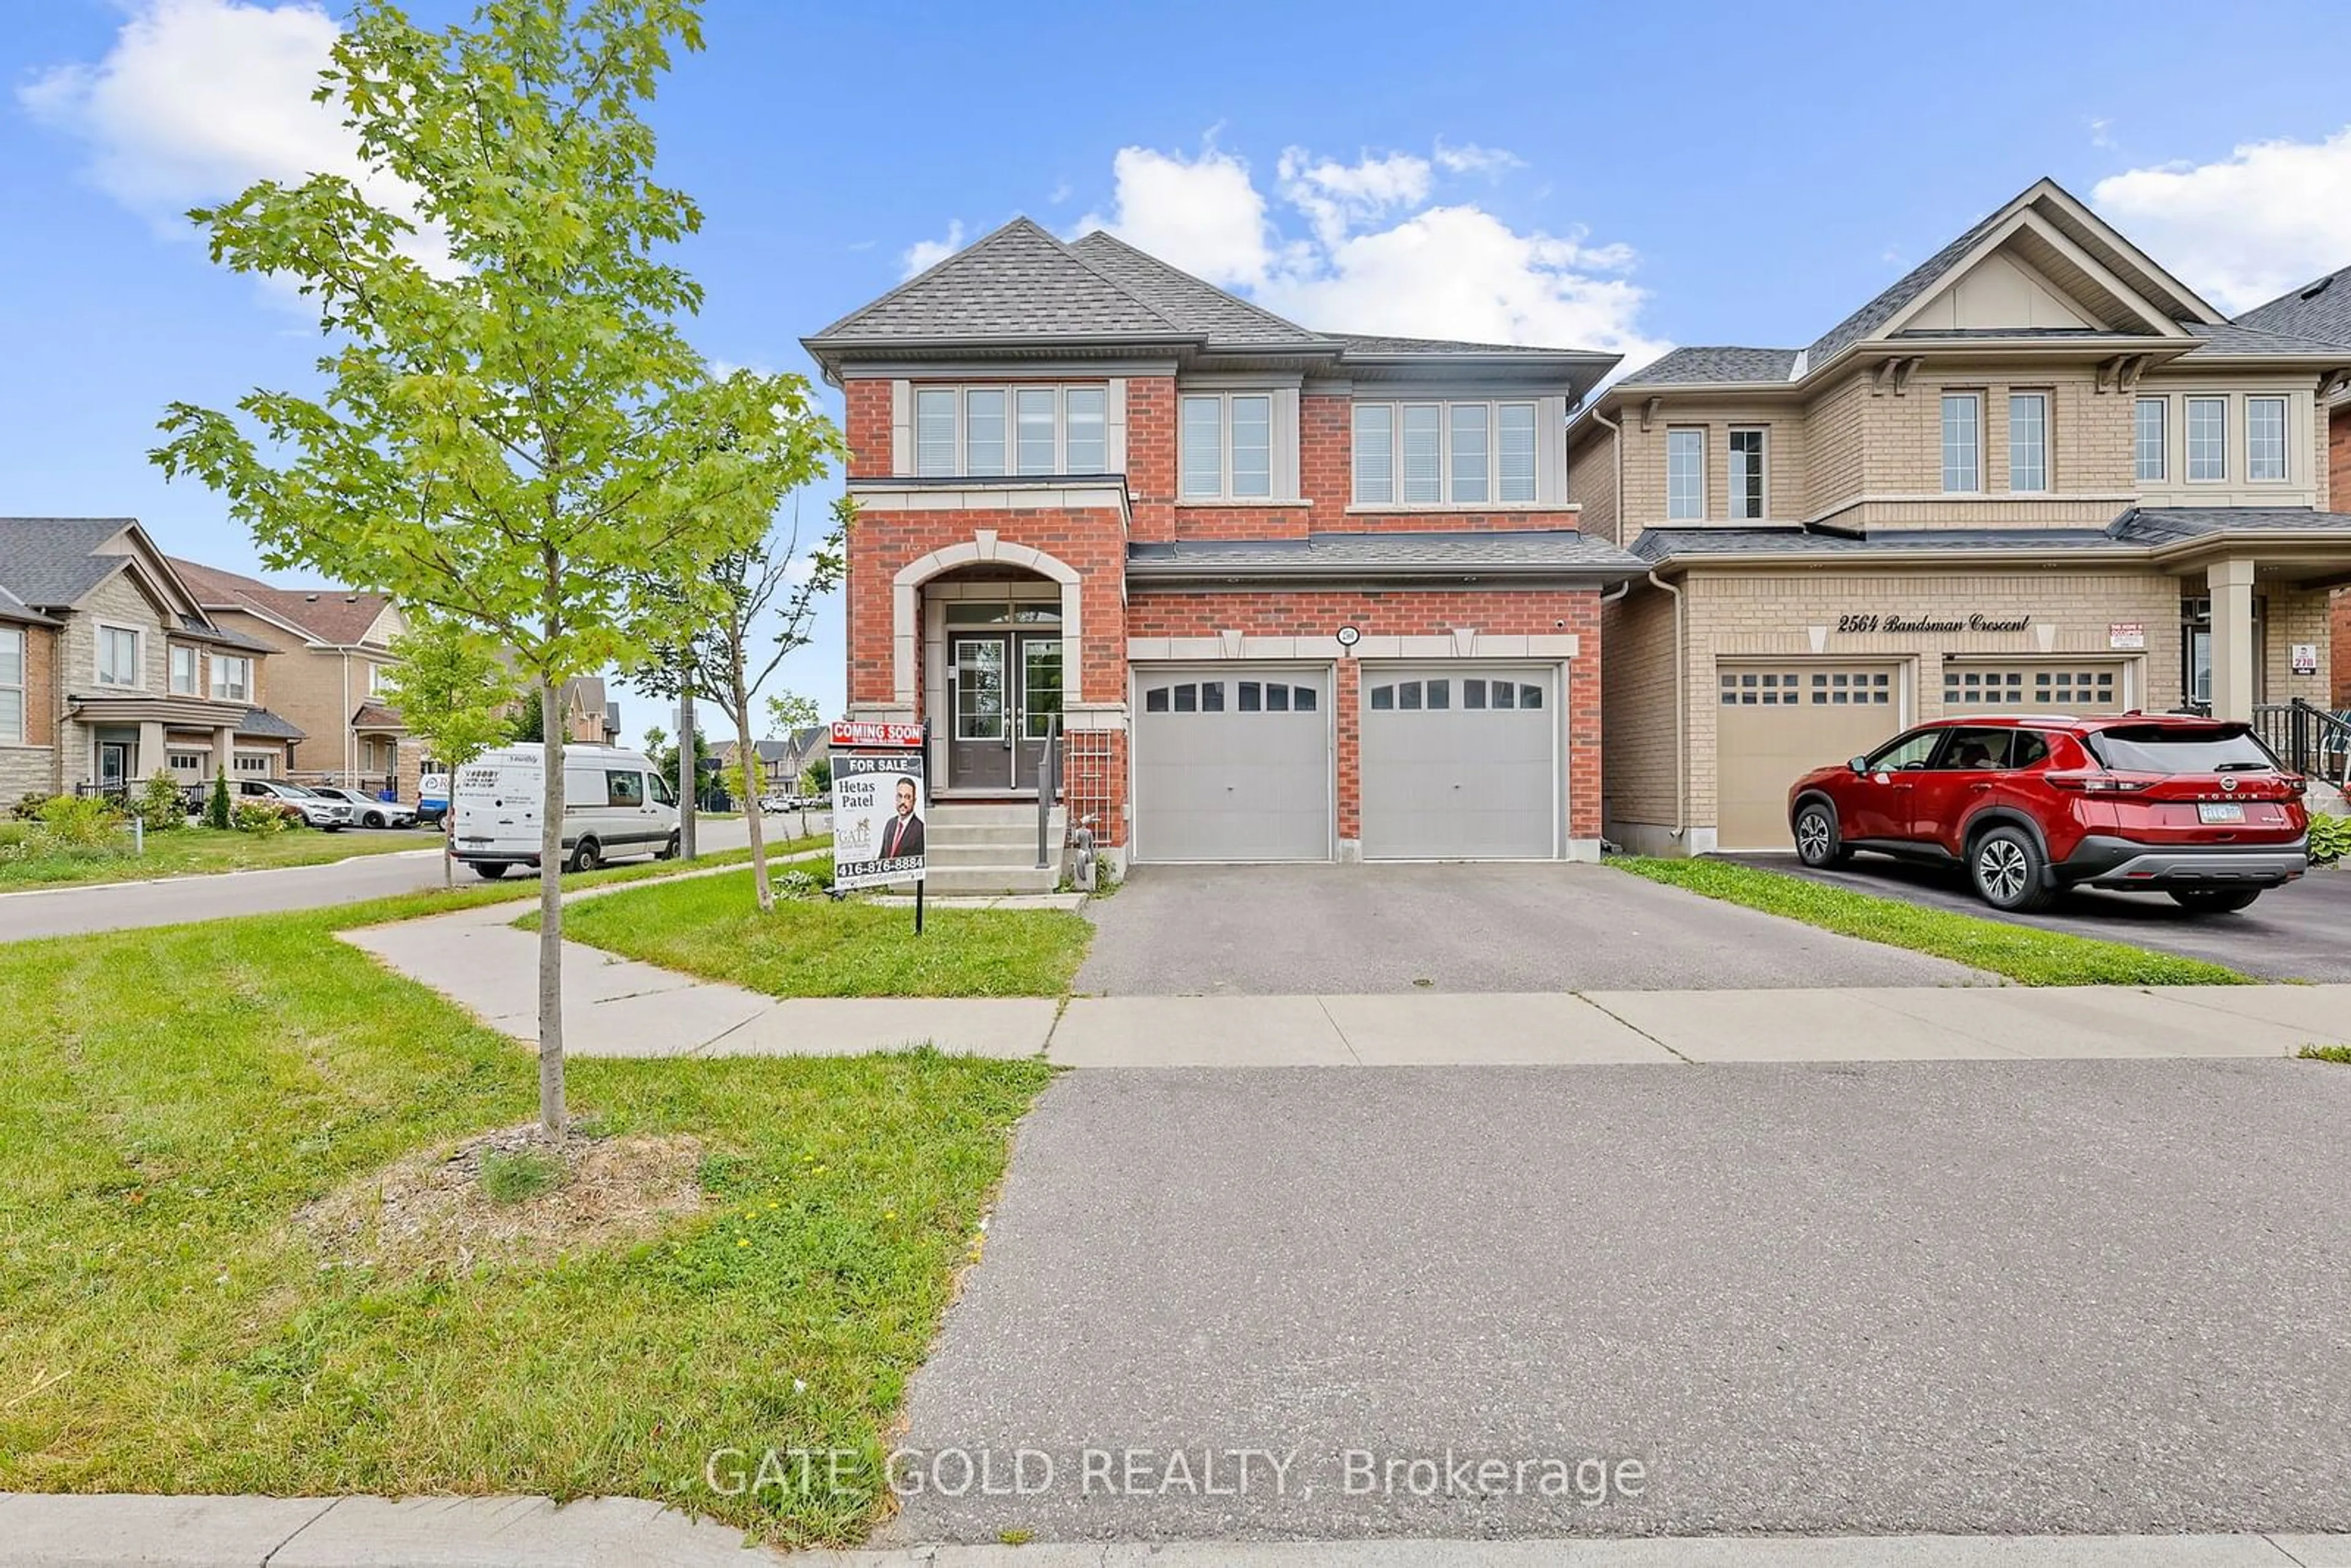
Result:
pixel 1930 625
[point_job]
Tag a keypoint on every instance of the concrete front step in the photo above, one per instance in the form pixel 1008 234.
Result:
pixel 985 813
pixel 1012 857
pixel 1005 837
pixel 950 882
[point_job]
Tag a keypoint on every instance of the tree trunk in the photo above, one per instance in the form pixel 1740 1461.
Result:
pixel 551 913
pixel 448 834
pixel 746 759
pixel 689 765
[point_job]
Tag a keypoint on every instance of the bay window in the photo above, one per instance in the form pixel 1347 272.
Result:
pixel 1464 453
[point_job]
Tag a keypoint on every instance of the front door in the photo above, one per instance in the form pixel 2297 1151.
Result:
pixel 114 763
pixel 1004 696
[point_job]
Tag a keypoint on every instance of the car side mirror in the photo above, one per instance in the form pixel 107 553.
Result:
pixel 1858 764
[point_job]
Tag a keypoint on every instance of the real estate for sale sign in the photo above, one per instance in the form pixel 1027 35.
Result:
pixel 877 817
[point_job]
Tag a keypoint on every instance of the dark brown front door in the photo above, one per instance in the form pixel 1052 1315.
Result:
pixel 1004 696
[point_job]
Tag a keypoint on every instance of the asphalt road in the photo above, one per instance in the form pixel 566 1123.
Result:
pixel 2062 1297
pixel 1286 930
pixel 68 911
pixel 2298 932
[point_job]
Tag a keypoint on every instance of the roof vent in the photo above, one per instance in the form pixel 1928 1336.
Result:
pixel 2319 288
pixel 309 599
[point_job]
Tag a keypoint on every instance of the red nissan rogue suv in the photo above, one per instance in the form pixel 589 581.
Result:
pixel 2161 803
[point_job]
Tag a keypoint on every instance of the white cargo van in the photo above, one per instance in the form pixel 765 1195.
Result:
pixel 616 804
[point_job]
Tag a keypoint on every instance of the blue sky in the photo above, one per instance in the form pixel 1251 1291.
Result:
pixel 1621 177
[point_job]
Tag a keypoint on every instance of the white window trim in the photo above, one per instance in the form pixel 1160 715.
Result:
pixel 1445 407
pixel 2047 410
pixel 962 392
pixel 2188 439
pixel 20 685
pixel 138 683
pixel 2162 476
pixel 1942 442
pixel 215 685
pixel 1763 465
pixel 195 687
pixel 1700 431
pixel 2285 438
pixel 1281 446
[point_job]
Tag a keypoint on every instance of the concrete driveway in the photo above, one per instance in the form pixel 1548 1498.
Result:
pixel 1951 1298
pixel 2298 932
pixel 1305 930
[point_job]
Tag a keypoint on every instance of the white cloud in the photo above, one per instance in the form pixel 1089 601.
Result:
pixel 2101 130
pixel 1378 250
pixel 2245 228
pixel 199 99
pixel 926 253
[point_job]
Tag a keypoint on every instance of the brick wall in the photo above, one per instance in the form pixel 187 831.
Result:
pixel 1532 613
pixel 1151 456
pixel 1642 688
pixel 866 423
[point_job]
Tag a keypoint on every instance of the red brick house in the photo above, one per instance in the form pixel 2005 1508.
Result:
pixel 1287 594
pixel 2322 309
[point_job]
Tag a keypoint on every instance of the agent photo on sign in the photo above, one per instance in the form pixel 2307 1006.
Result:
pixel 904 836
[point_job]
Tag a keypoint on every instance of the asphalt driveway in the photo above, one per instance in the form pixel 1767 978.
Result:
pixel 1294 930
pixel 1951 1298
pixel 2298 932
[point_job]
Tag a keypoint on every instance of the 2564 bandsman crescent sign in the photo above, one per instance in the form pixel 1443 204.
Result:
pixel 1914 625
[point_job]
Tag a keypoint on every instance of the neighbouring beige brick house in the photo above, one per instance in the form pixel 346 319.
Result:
pixel 2038 472
pixel 110 671
pixel 329 650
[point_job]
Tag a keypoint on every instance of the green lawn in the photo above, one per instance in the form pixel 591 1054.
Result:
pixel 2025 954
pixel 192 851
pixel 163 1326
pixel 814 947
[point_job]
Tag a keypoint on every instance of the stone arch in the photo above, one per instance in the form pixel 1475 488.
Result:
pixel 905 598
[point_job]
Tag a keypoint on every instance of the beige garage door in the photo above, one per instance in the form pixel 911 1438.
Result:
pixel 1777 721
pixel 2068 686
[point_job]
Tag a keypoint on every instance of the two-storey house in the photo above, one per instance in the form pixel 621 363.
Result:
pixel 1287 594
pixel 330 651
pixel 110 671
pixel 2037 473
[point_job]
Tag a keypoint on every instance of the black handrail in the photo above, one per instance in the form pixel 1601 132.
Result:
pixel 1049 785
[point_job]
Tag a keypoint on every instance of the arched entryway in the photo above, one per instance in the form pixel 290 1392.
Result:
pixel 994 637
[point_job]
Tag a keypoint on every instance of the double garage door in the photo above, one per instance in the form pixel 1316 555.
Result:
pixel 1458 762
pixel 1778 721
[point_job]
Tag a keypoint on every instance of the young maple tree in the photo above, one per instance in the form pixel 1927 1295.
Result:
pixel 512 425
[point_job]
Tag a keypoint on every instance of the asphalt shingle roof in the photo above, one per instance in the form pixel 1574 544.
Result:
pixel 1192 304
pixel 50 562
pixel 1684 366
pixel 338 615
pixel 261 721
pixel 2168 525
pixel 1513 550
pixel 2319 310
pixel 2141 527
pixel 1905 289
pixel 1017 282
pixel 2240 338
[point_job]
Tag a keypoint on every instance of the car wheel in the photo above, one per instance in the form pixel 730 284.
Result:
pixel 489 871
pixel 2006 867
pixel 668 852
pixel 375 819
pixel 585 857
pixel 1818 844
pixel 2214 900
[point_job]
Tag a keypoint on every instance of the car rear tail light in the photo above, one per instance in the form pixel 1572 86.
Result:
pixel 2097 783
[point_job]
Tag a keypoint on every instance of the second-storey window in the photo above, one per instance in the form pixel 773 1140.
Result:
pixel 2265 438
pixel 988 431
pixel 1747 473
pixel 2207 438
pixel 1962 441
pixel 12 684
pixel 184 672
pixel 1445 453
pixel 2028 440
pixel 1684 473
pixel 2147 440
pixel 1227 441
pixel 232 679
pixel 118 656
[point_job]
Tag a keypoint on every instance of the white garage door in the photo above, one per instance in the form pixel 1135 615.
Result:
pixel 1232 764
pixel 1459 763
pixel 1776 722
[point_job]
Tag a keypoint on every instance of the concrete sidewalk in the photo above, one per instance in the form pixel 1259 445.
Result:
pixel 620 1007
pixel 40 1532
